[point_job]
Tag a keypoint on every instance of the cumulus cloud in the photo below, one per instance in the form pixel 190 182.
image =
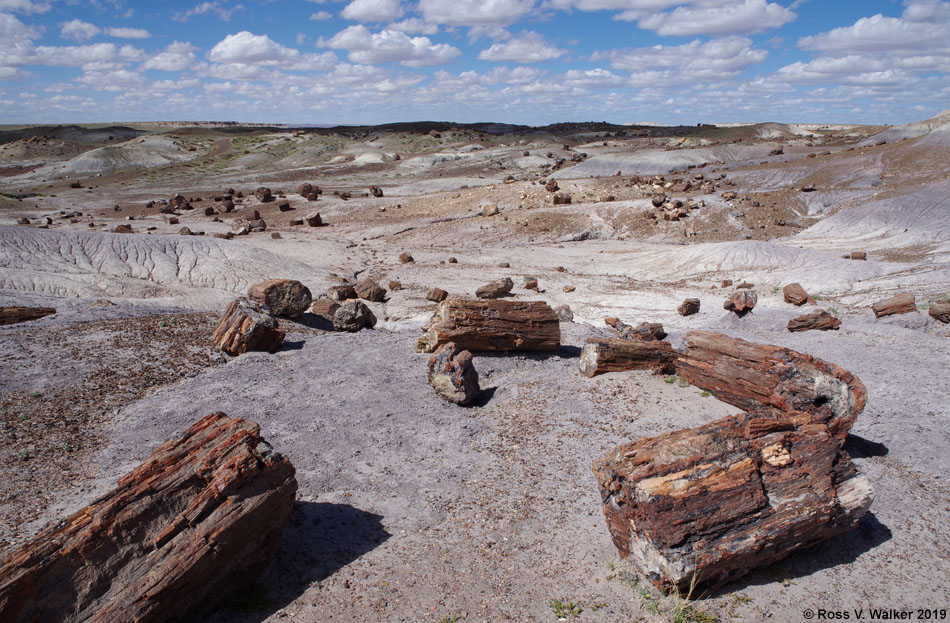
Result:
pixel 215 8
pixel 248 48
pixel 25 7
pixel 320 16
pixel 78 30
pixel 716 59
pixel 474 12
pixel 879 34
pixel 176 56
pixel 414 26
pixel 372 10
pixel 745 17
pixel 528 47
pixel 387 46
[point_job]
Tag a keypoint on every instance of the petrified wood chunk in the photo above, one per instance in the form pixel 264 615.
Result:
pixel 496 289
pixel 370 290
pixel 764 377
pixel 689 307
pixel 284 297
pixel 247 325
pixel 197 521
pixel 601 355
pixel 452 374
pixel 795 294
pixel 492 325
pixel 13 315
pixel 353 315
pixel 940 311
pixel 436 295
pixel 644 332
pixel 819 320
pixel 324 308
pixel 741 302
pixel 706 505
pixel 314 220
pixel 897 304
pixel 376 191
pixel 341 293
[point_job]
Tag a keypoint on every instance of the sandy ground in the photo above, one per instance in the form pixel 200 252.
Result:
pixel 412 509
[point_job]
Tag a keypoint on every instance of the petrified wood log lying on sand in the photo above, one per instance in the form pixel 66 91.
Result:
pixel 708 504
pixel 601 355
pixel 820 320
pixel 13 315
pixel 197 521
pixel 247 325
pixel 897 304
pixel 492 325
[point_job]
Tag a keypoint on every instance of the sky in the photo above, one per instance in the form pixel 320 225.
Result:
pixel 518 61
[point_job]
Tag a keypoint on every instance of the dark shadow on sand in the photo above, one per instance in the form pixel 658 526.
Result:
pixel 861 448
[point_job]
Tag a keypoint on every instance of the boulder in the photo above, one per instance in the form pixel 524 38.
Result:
pixel 741 302
pixel 436 295
pixel 795 294
pixel 453 375
pixel 940 311
pixel 897 304
pixel 820 320
pixel 247 325
pixel 496 289
pixel 688 307
pixel 196 522
pixel 314 220
pixel 284 297
pixel 492 326
pixel 304 189
pixel 352 316
pixel 263 194
pixel 370 290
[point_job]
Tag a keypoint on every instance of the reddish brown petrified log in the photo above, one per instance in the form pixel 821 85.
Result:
pixel 819 320
pixel 897 304
pixel 492 325
pixel 771 378
pixel 795 294
pixel 496 289
pixel 601 355
pixel 741 302
pixel 284 297
pixel 706 505
pixel 13 315
pixel 247 325
pixel 197 521
pixel 452 374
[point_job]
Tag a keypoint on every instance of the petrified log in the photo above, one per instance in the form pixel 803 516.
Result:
pixel 819 320
pixel 247 325
pixel 284 297
pixel 897 304
pixel 741 302
pixel 940 311
pixel 771 378
pixel 436 295
pixel 492 325
pixel 699 507
pixel 352 316
pixel 13 315
pixel 201 518
pixel 689 307
pixel 601 355
pixel 795 294
pixel 496 289
pixel 370 290
pixel 452 374
pixel 857 255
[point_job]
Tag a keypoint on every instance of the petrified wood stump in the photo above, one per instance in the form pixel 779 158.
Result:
pixel 197 521
pixel 795 294
pixel 13 315
pixel 492 325
pixel 601 355
pixel 819 320
pixel 247 325
pixel 704 506
pixel 284 297
pixel 452 374
pixel 897 304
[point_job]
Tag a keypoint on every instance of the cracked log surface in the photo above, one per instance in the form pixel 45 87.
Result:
pixel 601 355
pixel 13 315
pixel 492 325
pixel 198 520
pixel 247 325
pixel 708 504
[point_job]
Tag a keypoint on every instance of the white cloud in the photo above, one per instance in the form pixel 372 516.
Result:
pixel 128 33
pixel 115 80
pixel 372 10
pixel 414 26
pixel 474 12
pixel 78 30
pixel 387 46
pixel 248 48
pixel 320 16
pixel 26 7
pixel 879 34
pixel 592 79
pixel 927 10
pixel 176 56
pixel 745 17
pixel 716 59
pixel 216 8
pixel 528 47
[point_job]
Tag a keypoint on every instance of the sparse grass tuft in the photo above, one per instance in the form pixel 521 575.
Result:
pixel 449 618
pixel 565 609
pixel 670 379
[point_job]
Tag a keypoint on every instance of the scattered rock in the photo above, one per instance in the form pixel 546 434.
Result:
pixel 689 307
pixel 452 374
pixel 857 255
pixel 531 283
pixel 568 288
pixel 184 231
pixel 23 221
pixel 276 235
pixel 436 295
pixel 726 283
pixel 504 265
pixel 314 220
pixel 897 304
pixel 405 258
pixel 551 186
pixel 561 199
pixel 209 211
pixel 324 308
pixel 122 229
pixel 564 313
pixel 284 297
pixel 741 302
pixel 940 311
pixel 452 260
pixel 171 220
pixel 395 285
pixel 376 191
pixel 489 209
pixel 496 289
pixel 658 199
pixel 370 290
pixel 263 194
pixel 819 320
pixel 294 222
pixel 745 285
pixel 247 325
pixel 353 316
pixel 342 293
pixel 795 294
pixel 284 205
pixel 492 326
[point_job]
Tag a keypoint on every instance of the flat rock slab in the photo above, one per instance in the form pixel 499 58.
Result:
pixel 201 518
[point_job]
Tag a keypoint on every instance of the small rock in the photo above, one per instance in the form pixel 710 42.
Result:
pixel 568 288
pixel 436 295
pixel 276 235
pixel 489 209
pixel 353 316
pixel 122 229
pixel 496 289
pixel 370 290
pixel 940 312
pixel 184 231
pixel 897 304
pixel 741 302
pixel 452 374
pixel 284 297
pixel 561 199
pixel 376 191
pixel 795 294
pixel 405 258
pixel 531 283
pixel 504 265
pixel 342 293
pixel 284 205
pixel 452 260
pixel 689 307
pixel 395 285
pixel 819 320
pixel 564 313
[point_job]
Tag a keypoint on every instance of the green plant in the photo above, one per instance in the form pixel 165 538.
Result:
pixel 705 394
pixel 449 618
pixel 670 379
pixel 565 609
pixel 833 311
pixel 774 289
pixel 683 383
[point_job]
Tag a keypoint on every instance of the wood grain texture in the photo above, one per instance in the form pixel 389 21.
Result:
pixel 492 326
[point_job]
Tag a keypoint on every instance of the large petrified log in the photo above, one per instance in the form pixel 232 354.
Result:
pixel 13 315
pixel 699 507
pixel 492 325
pixel 452 374
pixel 247 325
pixel 601 355
pixel 760 377
pixel 897 304
pixel 284 297
pixel 820 320
pixel 197 521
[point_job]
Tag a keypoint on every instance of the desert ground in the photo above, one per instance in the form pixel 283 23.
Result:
pixel 410 508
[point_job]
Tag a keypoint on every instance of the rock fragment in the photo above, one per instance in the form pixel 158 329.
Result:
pixel 452 374
pixel 820 320
pixel 369 290
pixel 247 325
pixel 741 302
pixel 436 295
pixel 897 304
pixel 352 316
pixel 688 307
pixel 795 294
pixel 284 297
pixel 496 289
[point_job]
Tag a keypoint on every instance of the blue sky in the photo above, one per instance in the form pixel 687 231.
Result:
pixel 519 61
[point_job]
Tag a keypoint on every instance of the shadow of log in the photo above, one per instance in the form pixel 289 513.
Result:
pixel 861 448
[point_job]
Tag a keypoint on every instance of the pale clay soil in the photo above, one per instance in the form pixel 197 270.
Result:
pixel 413 509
